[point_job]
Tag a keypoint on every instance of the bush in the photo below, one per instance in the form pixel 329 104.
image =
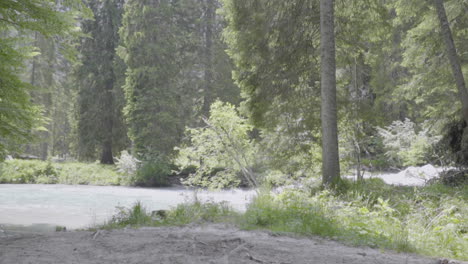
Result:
pixel 222 152
pixel 429 220
pixel 153 173
pixel 453 148
pixel 134 216
pixel 126 163
pixel 28 171
pixel 405 146
pixel 35 171
pixel 188 213
pixel 182 214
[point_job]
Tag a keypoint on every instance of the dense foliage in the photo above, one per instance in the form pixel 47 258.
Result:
pixel 100 98
pixel 46 172
pixel 430 220
pixel 19 19
pixel 227 93
pixel 142 77
pixel 221 151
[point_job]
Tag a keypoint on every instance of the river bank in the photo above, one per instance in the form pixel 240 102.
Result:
pixel 85 206
pixel 213 243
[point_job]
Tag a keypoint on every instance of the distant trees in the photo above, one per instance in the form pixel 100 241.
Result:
pixel 176 68
pixel 147 70
pixel 18 20
pixel 100 124
pixel 156 48
pixel 453 57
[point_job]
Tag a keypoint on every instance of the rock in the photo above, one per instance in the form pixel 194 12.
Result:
pixel 60 229
pixel 27 157
pixel 425 172
pixel 159 214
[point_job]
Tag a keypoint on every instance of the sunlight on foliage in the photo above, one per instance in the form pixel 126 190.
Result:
pixel 405 146
pixel 222 151
pixel 424 220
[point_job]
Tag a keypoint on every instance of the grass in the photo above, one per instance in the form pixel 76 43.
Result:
pixel 430 220
pixel 35 171
pixel 183 214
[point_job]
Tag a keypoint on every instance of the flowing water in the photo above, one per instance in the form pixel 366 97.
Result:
pixel 36 206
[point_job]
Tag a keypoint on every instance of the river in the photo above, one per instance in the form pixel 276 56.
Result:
pixel 42 207
pixel 37 206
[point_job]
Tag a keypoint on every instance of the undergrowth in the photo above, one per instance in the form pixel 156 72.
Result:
pixel 182 214
pixel 36 171
pixel 431 220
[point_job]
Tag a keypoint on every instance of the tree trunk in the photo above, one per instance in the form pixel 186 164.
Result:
pixel 106 156
pixel 452 56
pixel 108 123
pixel 209 23
pixel 330 164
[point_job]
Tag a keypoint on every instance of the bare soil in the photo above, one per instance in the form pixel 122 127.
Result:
pixel 213 243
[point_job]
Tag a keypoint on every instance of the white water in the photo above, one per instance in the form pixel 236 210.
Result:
pixel 411 176
pixel 86 206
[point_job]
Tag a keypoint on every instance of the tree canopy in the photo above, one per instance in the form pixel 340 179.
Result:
pixel 89 79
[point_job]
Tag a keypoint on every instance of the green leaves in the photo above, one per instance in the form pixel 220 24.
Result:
pixel 221 152
pixel 405 145
pixel 18 116
pixel 274 47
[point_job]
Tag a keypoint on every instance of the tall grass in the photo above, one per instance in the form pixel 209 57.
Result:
pixel 182 214
pixel 430 220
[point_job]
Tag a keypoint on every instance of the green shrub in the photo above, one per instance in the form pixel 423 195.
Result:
pixel 127 165
pixel 182 214
pixel 135 216
pixel 35 171
pixel 405 146
pixel 153 173
pixel 28 171
pixel 223 143
pixel 188 213
pixel 289 212
pixel 430 220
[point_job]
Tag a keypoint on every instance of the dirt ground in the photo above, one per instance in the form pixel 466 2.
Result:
pixel 195 244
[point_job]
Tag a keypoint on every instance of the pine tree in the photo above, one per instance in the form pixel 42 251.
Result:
pixel 161 43
pixel 18 117
pixel 98 109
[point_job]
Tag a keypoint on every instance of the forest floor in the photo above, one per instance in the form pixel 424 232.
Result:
pixel 210 243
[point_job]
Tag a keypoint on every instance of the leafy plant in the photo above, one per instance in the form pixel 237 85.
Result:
pixel 182 214
pixel 127 165
pixel 221 151
pixel 404 145
pixel 152 173
pixel 36 171
pixel 134 216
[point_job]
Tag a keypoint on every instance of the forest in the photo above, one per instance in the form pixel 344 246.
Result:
pixel 311 97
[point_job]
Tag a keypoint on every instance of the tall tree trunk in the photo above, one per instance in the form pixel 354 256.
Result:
pixel 330 163
pixel 28 148
pixel 108 123
pixel 106 155
pixel 452 56
pixel 209 23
